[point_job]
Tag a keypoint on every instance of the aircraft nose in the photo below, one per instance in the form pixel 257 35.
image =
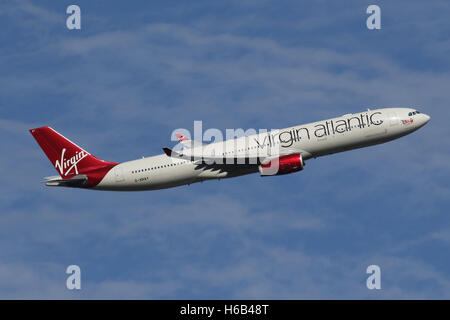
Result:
pixel 423 119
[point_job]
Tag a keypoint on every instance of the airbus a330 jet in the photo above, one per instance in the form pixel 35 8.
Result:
pixel 275 152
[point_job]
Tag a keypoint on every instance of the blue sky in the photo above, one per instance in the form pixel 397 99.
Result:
pixel 135 72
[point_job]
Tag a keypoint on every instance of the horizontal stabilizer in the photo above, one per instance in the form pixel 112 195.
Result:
pixel 75 182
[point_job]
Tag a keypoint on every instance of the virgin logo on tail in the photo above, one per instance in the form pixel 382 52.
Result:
pixel 68 164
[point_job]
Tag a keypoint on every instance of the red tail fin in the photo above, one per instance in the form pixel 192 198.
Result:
pixel 68 158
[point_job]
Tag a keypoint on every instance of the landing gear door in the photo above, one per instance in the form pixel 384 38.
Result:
pixel 118 174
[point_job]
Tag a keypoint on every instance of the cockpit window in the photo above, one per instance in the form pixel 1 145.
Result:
pixel 413 113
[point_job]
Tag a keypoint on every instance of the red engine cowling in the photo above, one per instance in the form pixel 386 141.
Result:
pixel 282 165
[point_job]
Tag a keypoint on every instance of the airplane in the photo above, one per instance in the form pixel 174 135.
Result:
pixel 275 152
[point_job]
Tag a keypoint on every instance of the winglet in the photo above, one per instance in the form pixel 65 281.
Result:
pixel 170 153
pixel 167 151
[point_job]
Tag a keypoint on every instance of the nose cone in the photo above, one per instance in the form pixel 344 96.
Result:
pixel 423 119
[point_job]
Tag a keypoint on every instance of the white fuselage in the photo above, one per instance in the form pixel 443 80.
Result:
pixel 311 140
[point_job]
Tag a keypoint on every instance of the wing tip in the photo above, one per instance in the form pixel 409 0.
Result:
pixel 167 151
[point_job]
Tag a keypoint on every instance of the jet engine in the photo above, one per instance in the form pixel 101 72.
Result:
pixel 282 165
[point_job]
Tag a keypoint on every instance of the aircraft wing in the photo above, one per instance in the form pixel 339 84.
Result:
pixel 236 159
